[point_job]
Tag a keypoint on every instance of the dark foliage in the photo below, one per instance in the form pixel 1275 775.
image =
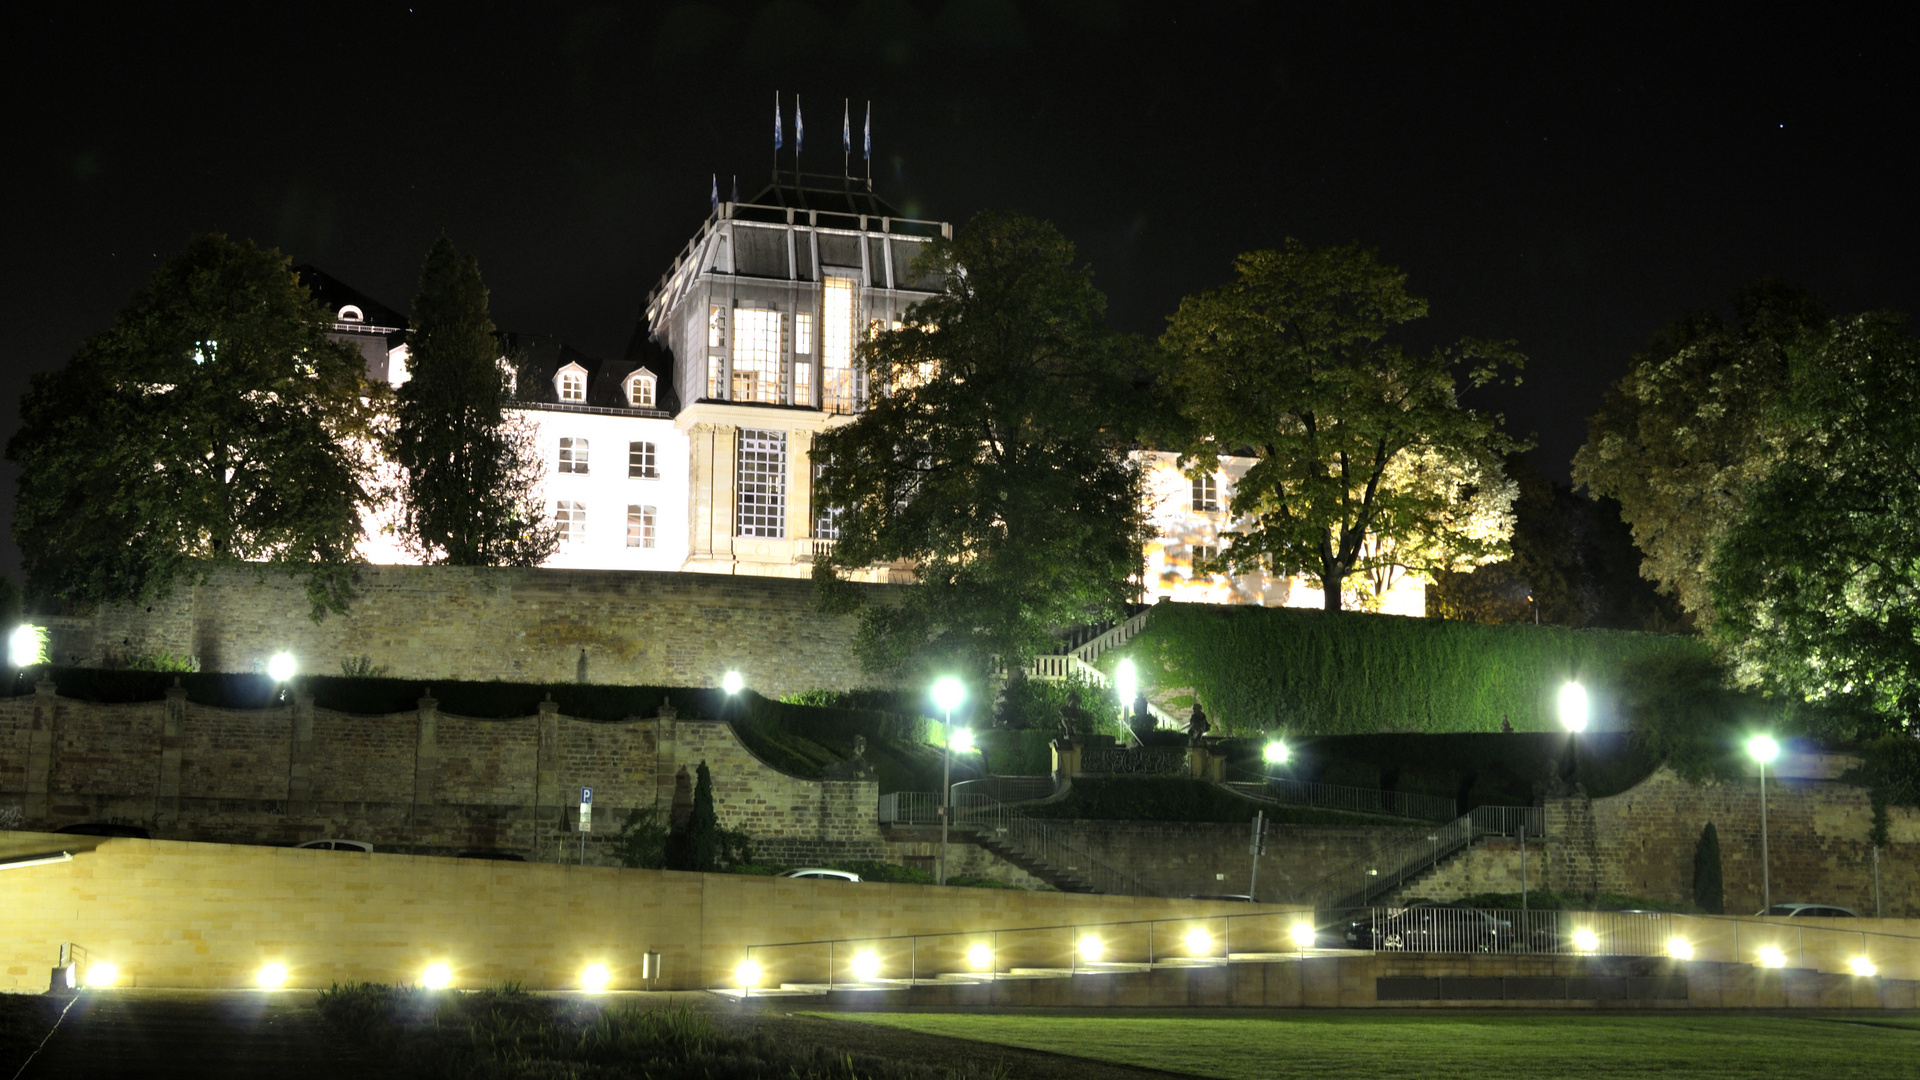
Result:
pixel 1709 889
pixel 696 845
pixel 642 843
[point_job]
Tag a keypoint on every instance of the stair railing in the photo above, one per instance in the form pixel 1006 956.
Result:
pixel 1027 835
pixel 1359 882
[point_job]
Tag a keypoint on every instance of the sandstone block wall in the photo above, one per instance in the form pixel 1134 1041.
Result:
pixel 422 781
pixel 483 623
pixel 1201 858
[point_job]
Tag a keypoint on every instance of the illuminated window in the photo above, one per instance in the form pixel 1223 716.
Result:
pixel 760 500
pixel 1206 494
pixel 1204 553
pixel 573 455
pixel 826 518
pixel 716 327
pixel 640 526
pixel 640 392
pixel 759 347
pixel 641 461
pixel 570 519
pixel 803 332
pixel 839 381
pixel 350 313
pixel 573 386
pixel 716 367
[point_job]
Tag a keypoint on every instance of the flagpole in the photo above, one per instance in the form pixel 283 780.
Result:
pixel 867 146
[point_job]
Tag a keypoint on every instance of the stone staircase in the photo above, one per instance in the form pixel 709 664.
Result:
pixel 1059 877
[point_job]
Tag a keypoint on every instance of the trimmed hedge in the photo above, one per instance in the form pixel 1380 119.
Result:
pixel 1306 671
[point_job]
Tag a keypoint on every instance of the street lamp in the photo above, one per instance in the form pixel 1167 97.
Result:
pixel 1764 749
pixel 1573 717
pixel 1277 753
pixel 1127 681
pixel 947 694
pixel 732 683
pixel 280 667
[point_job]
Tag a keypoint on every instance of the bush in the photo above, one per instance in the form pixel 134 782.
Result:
pixel 1303 671
pixel 1709 894
pixel 1017 753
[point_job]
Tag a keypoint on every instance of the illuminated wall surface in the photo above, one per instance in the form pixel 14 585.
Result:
pixel 211 915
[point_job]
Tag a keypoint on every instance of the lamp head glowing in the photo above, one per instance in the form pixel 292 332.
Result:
pixel 1573 707
pixel 1126 680
pixel 271 977
pixel 1092 949
pixel 595 978
pixel 1680 949
pixel 1276 753
pixel 27 646
pixel 747 974
pixel 979 957
pixel 962 741
pixel 866 965
pixel 1586 940
pixel 948 693
pixel 102 975
pixel 437 977
pixel 1772 957
pixel 1302 935
pixel 1199 942
pixel 1863 967
pixel 1763 749
pixel 732 683
pixel 281 667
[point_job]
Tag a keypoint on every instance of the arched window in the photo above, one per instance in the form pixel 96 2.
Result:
pixel 640 387
pixel 352 313
pixel 572 385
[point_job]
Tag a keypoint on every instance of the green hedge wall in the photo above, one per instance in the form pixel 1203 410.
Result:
pixel 1306 671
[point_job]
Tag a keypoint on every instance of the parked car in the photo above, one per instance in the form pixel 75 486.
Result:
pixel 491 853
pixel 332 844
pixel 1240 896
pixel 816 873
pixel 1810 911
pixel 1431 928
pixel 103 828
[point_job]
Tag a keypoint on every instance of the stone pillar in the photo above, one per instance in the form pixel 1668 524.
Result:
pixel 1571 831
pixel 300 756
pixel 426 756
pixel 173 726
pixel 800 488
pixel 1066 760
pixel 665 755
pixel 713 449
pixel 546 783
pixel 40 755
pixel 1203 763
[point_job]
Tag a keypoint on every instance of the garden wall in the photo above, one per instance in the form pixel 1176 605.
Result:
pixel 488 623
pixel 421 781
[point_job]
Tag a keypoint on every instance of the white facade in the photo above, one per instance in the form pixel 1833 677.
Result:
pixel 622 484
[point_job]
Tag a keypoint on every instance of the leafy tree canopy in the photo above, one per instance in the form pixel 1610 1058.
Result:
pixel 214 423
pixel 1367 463
pixel 472 472
pixel 993 456
pixel 1682 438
pixel 1816 588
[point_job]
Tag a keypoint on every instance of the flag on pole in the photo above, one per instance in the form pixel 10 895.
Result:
pixel 713 200
pixel 867 153
pixel 846 126
pixel 799 127
pixel 779 129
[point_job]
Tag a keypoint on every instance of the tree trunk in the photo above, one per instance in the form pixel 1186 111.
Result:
pixel 1330 587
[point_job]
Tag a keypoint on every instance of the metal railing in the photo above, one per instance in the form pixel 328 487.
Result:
pixel 1352 799
pixel 1135 761
pixel 1008 789
pixel 1359 882
pixel 1032 837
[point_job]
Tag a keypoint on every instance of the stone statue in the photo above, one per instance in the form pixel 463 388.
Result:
pixel 1197 725
pixel 682 799
pixel 860 746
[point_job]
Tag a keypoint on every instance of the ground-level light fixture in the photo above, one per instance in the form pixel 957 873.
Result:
pixel 1680 948
pixel 280 667
pixel 1126 680
pixel 980 957
pixel 595 978
pixel 747 975
pixel 1276 753
pixel 271 977
pixel 101 974
pixel 1092 949
pixel 1302 935
pixel 1573 707
pixel 1772 957
pixel 437 977
pixel 27 646
pixel 1585 939
pixel 1199 942
pixel 866 965
pixel 1863 967
pixel 732 683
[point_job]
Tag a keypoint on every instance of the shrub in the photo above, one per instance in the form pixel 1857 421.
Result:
pixel 1709 894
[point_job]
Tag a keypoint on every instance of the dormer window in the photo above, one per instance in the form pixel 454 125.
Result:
pixel 571 384
pixel 350 313
pixel 640 389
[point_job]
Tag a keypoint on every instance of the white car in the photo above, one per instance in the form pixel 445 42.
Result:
pixel 331 844
pixel 816 873
pixel 1810 911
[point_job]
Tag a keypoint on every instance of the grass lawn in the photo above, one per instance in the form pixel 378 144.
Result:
pixel 1442 1047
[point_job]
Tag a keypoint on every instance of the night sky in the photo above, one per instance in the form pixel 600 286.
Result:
pixel 1569 185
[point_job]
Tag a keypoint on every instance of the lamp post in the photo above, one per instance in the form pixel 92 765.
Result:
pixel 947 694
pixel 1127 681
pixel 1764 749
pixel 1573 717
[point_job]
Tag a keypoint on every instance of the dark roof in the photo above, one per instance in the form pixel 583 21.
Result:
pixel 539 357
pixel 336 294
pixel 838 194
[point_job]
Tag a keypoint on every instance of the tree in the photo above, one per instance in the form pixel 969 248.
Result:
pixel 1366 460
pixel 471 490
pixel 1709 893
pixel 214 423
pixel 1816 588
pixel 696 846
pixel 1682 438
pixel 993 457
